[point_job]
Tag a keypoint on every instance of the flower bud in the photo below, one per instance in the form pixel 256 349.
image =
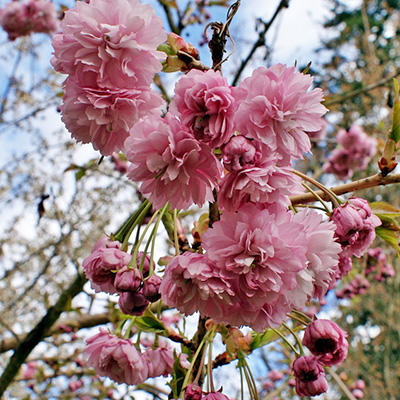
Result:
pixel 326 340
pixel 193 392
pixel 151 288
pixel 133 303
pixel 128 280
pixel 310 377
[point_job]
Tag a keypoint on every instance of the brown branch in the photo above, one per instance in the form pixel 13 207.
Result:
pixel 39 332
pixel 82 321
pixel 372 181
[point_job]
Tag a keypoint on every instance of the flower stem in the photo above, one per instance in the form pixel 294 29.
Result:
pixel 299 344
pixel 286 341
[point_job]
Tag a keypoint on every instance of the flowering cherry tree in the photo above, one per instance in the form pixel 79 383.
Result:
pixel 253 242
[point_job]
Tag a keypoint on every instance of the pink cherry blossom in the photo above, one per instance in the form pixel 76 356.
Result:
pixel 322 251
pixel 327 341
pixel 161 360
pixel 260 252
pixel 310 376
pixel 279 110
pixel 191 283
pixel 128 279
pixel 206 104
pixel 275 375
pixel 151 288
pixel 105 258
pixel 171 164
pixel 115 358
pixel 355 226
pixel 115 39
pixel 358 394
pixel 259 180
pixel 345 266
pixel 102 116
pixel 12 20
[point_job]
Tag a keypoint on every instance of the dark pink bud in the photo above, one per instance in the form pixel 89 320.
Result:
pixel 133 303
pixel 128 280
pixel 151 288
pixel 193 392
pixel 326 340
pixel 310 376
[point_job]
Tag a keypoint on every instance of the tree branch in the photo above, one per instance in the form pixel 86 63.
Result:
pixel 81 322
pixel 260 41
pixel 367 88
pixel 39 332
pixel 372 181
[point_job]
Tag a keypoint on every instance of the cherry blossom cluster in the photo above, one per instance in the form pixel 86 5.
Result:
pixel 378 266
pixel 258 265
pixel 230 146
pixel 354 152
pixel 358 285
pixel 120 360
pixel 328 346
pixel 32 16
pixel 109 270
pixel 108 48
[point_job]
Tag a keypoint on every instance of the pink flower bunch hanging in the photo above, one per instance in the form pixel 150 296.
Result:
pixel 258 265
pixel 109 50
pixel 328 345
pixel 120 360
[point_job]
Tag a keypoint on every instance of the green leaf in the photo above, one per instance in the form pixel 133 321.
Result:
pixel 261 339
pixel 391 237
pixel 389 223
pixel 381 208
pixel 395 131
pixel 80 174
pixel 149 323
pixel 178 377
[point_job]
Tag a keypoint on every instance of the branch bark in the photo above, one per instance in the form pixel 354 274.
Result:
pixel 372 181
pixel 81 322
pixel 39 332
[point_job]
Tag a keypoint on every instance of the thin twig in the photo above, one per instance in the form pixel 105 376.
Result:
pixel 260 40
pixel 367 88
